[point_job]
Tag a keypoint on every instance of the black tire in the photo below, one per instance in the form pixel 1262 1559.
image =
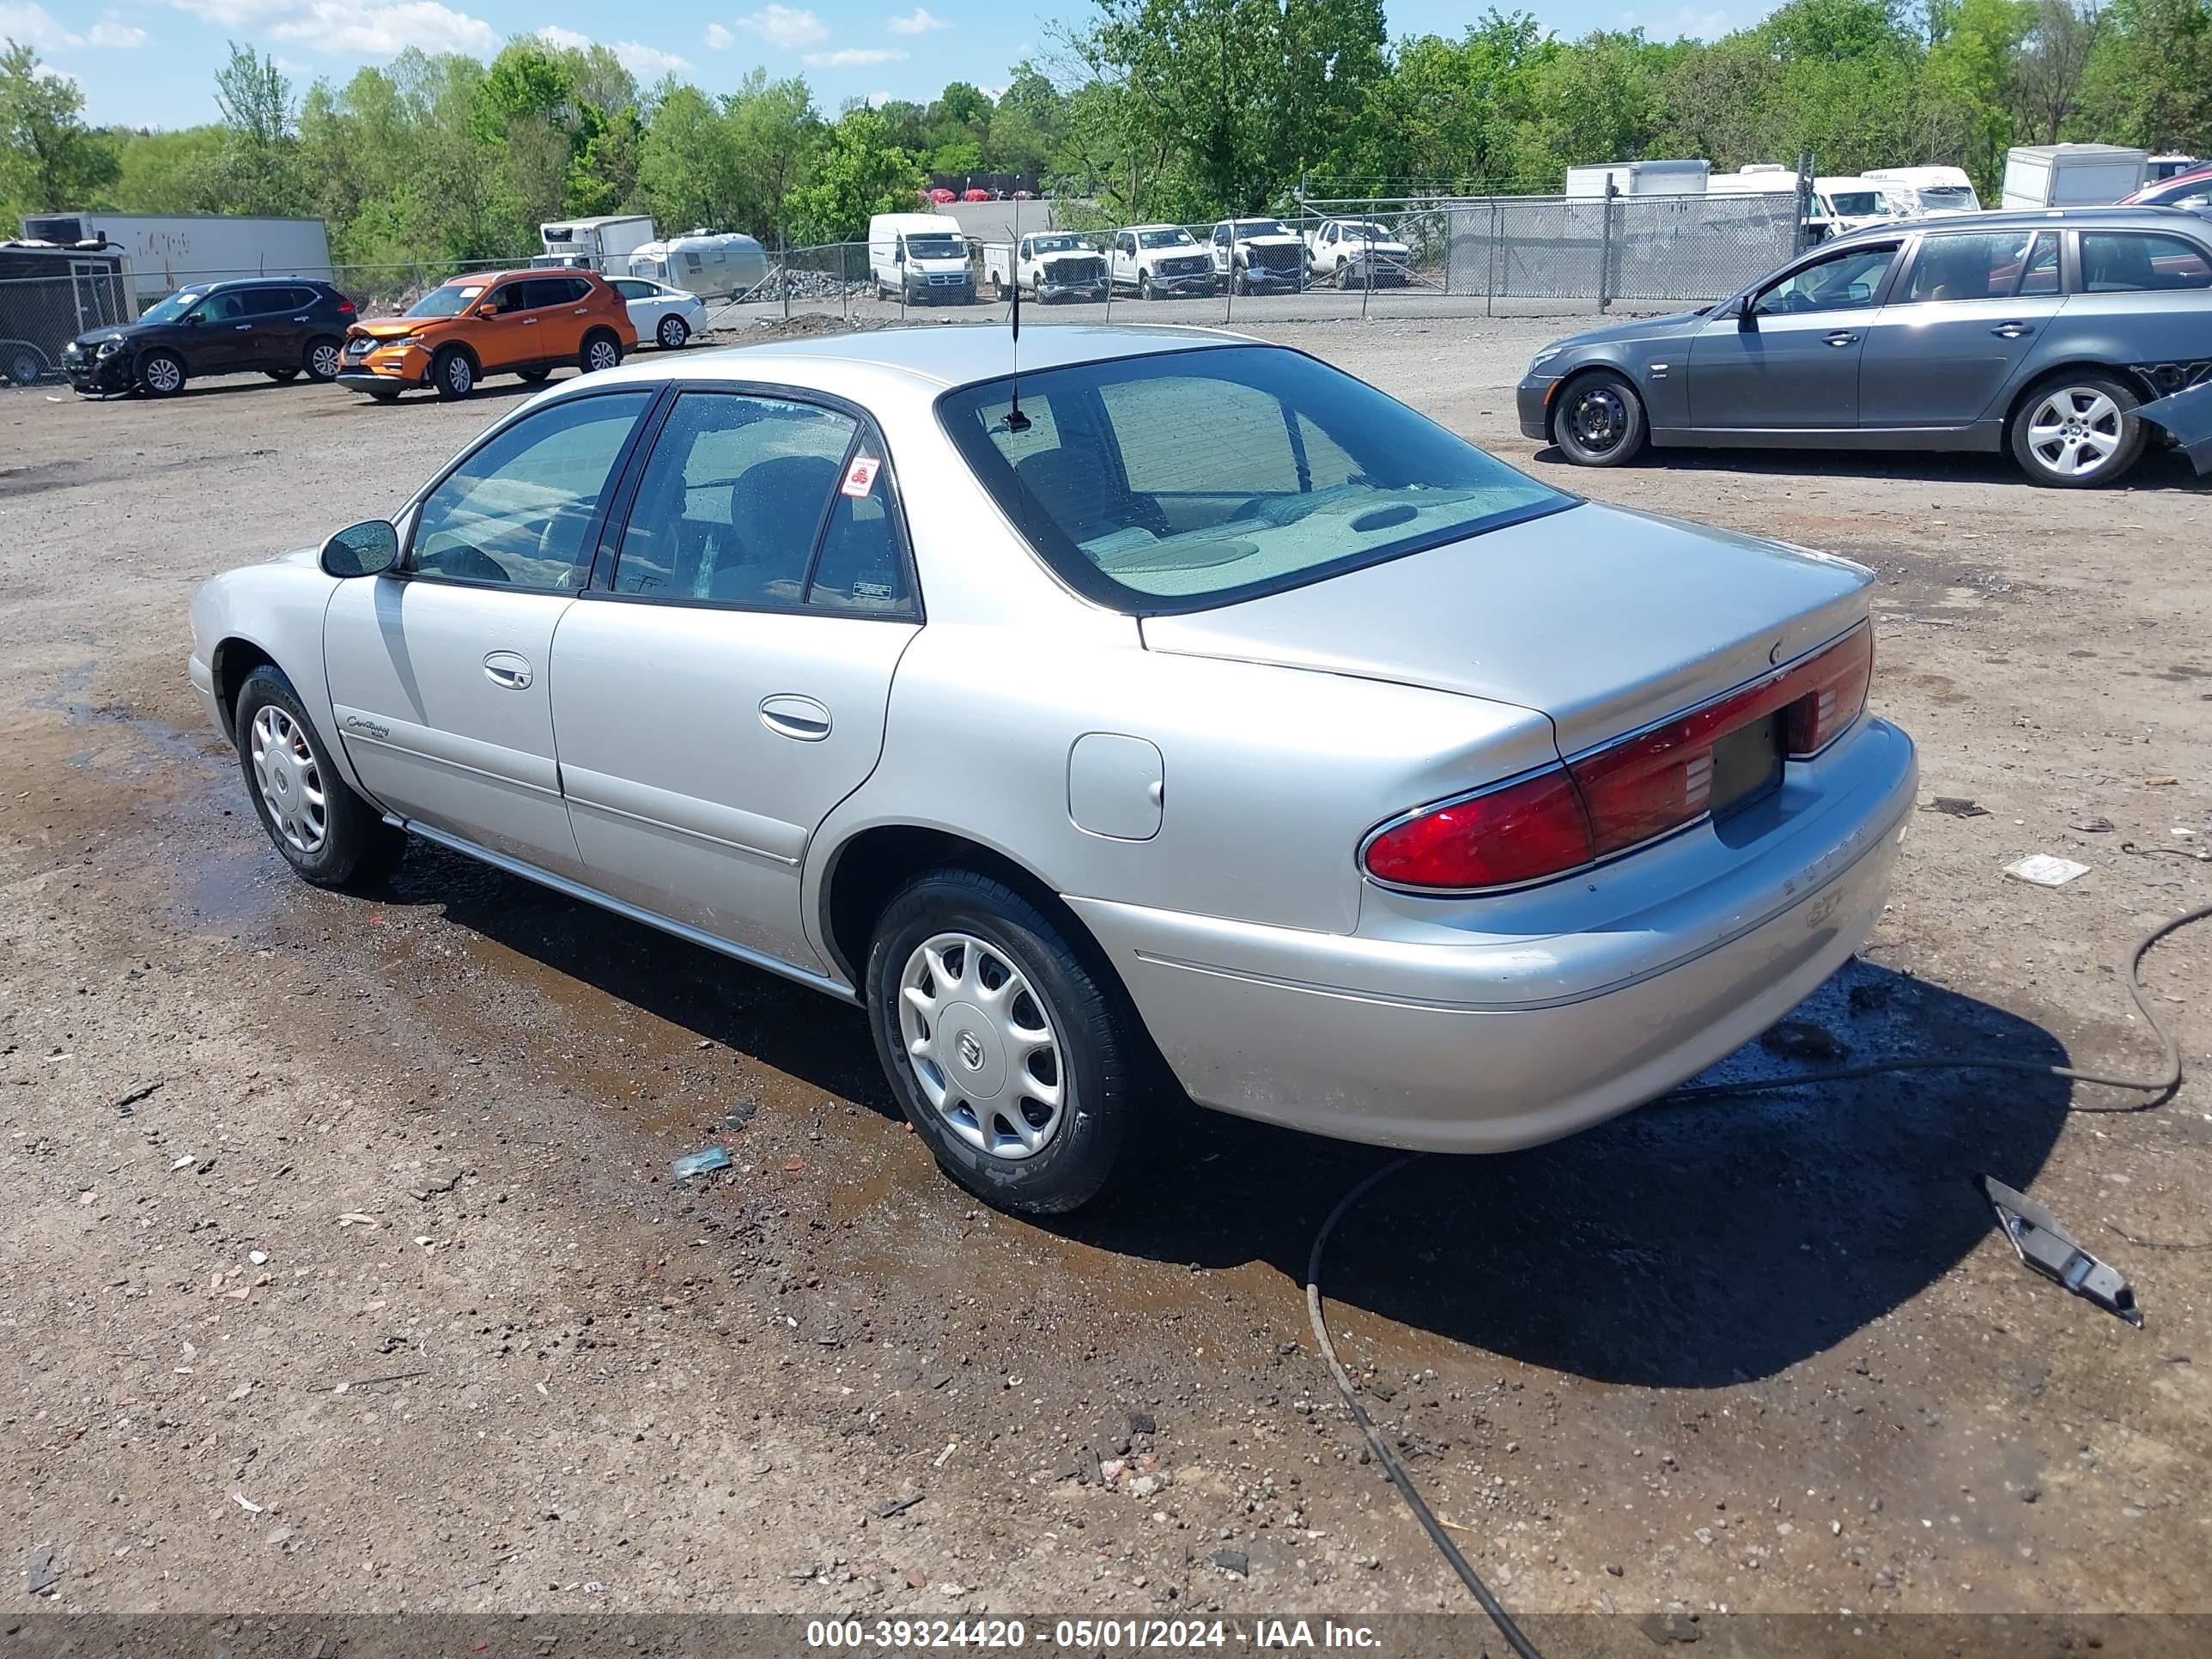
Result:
pixel 324 358
pixel 602 350
pixel 1095 1049
pixel 1599 421
pixel 281 376
pixel 454 372
pixel 532 375
pixel 2093 416
pixel 163 374
pixel 25 365
pixel 1145 285
pixel 354 844
pixel 673 332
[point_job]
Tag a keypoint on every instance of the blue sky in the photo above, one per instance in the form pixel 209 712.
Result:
pixel 151 62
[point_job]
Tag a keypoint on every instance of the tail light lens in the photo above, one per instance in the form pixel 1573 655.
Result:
pixel 1618 797
pixel 345 306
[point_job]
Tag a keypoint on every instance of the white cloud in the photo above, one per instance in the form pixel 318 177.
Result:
pixel 1684 22
pixel 919 21
pixel 854 57
pixel 369 31
pixel 648 62
pixel 719 38
pixel 783 26
pixel 38 28
pixel 568 39
pixel 877 99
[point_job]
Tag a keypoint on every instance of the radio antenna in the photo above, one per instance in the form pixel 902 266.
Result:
pixel 1016 421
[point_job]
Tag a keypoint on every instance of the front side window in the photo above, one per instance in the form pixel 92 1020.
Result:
pixel 733 499
pixel 518 511
pixel 2133 261
pixel 1843 282
pixel 169 310
pixel 1192 478
pixel 1994 266
pixel 227 306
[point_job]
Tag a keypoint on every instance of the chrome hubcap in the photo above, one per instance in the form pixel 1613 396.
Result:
pixel 458 375
pixel 1599 419
pixel 983 1045
pixel 671 332
pixel 161 374
pixel 602 354
pixel 291 780
pixel 326 364
pixel 2075 431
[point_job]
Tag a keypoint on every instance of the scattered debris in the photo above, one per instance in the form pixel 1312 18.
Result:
pixel 1665 1628
pixel 356 1219
pixel 132 1099
pixel 2046 871
pixel 917 1578
pixel 1956 806
pixel 1143 1423
pixel 40 1574
pixel 1233 1561
pixel 701 1162
pixel 1797 1039
pixel 245 1503
pixel 939 1461
pixel 184 1162
pixel 258 1258
pixel 1616 1568
pixel 2164 781
pixel 366 1382
pixel 2040 1240
pixel 2097 825
pixel 900 1507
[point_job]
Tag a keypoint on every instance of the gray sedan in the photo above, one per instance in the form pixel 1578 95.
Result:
pixel 2053 335
pixel 1180 713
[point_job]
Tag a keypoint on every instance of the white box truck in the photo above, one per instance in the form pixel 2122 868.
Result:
pixel 1640 178
pixel 2072 175
pixel 162 253
pixel 603 243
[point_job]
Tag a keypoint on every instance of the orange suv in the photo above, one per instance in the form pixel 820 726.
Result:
pixel 508 322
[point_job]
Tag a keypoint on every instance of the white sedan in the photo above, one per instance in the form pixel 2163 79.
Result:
pixel 666 316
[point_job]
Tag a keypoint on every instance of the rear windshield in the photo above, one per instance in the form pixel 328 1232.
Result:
pixel 1194 479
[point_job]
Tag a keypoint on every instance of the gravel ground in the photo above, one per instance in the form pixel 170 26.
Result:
pixel 345 1272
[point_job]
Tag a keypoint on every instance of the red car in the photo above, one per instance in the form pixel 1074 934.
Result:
pixel 940 195
pixel 975 196
pixel 2189 190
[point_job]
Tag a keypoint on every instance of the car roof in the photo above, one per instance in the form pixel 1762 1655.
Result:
pixel 943 355
pixel 2090 218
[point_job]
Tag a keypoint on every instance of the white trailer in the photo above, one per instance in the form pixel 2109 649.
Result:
pixel 603 243
pixel 162 253
pixel 1640 178
pixel 2072 175
pixel 714 264
pixel 1915 190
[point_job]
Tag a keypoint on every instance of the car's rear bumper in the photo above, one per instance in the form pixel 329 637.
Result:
pixel 1402 1035
pixel 1531 401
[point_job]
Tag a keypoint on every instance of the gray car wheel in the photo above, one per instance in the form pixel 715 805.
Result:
pixel 25 365
pixel 454 372
pixel 1011 1053
pixel 601 351
pixel 2076 431
pixel 1599 421
pixel 324 361
pixel 329 835
pixel 673 332
pixel 163 374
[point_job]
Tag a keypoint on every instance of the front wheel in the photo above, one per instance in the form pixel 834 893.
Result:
pixel 600 352
pixel 1011 1054
pixel 329 835
pixel 673 332
pixel 1599 421
pixel 324 359
pixel 1145 285
pixel 2076 431
pixel 163 375
pixel 454 372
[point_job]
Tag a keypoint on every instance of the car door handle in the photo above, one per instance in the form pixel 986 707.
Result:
pixel 580 311
pixel 2011 331
pixel 1843 337
pixel 243 328
pixel 506 669
pixel 299 319
pixel 529 322
pixel 789 715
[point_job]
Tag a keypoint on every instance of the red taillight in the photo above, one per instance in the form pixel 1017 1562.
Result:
pixel 345 306
pixel 1523 832
pixel 1619 797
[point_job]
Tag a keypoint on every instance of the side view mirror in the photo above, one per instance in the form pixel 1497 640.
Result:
pixel 368 549
pixel 1746 316
pixel 193 319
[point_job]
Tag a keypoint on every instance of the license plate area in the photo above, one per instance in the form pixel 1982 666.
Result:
pixel 1747 765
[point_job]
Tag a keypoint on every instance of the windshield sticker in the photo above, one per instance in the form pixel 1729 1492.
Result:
pixel 860 477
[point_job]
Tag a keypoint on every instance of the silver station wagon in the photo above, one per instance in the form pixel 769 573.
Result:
pixel 1180 713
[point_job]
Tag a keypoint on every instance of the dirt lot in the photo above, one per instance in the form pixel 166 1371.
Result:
pixel 1760 1355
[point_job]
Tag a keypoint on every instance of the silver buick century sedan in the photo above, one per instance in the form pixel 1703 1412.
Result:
pixel 1179 712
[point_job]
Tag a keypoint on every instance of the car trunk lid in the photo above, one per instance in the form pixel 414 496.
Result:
pixel 1604 619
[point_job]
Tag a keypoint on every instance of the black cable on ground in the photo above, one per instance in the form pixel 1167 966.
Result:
pixel 2158 1088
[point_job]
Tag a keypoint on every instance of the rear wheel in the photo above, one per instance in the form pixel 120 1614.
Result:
pixel 601 351
pixel 1013 1057
pixel 329 835
pixel 1599 421
pixel 673 332
pixel 454 372
pixel 324 360
pixel 163 374
pixel 25 364
pixel 2077 430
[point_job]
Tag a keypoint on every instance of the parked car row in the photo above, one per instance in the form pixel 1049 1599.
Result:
pixel 527 323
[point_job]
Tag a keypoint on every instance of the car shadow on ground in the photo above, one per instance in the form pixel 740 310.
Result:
pixel 2165 469
pixel 1682 1246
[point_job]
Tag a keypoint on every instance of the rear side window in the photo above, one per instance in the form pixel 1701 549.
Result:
pixel 1995 266
pixel 519 510
pixel 740 492
pixel 2132 261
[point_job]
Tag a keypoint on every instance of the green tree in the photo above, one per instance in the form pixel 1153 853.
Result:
pixel 2150 80
pixel 859 173
pixel 175 172
pixel 49 159
pixel 261 139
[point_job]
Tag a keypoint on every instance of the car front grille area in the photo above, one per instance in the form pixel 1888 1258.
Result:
pixel 1275 258
pixel 948 279
pixel 1073 271
pixel 1186 267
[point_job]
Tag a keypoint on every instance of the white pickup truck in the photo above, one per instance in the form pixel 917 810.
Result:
pixel 1355 251
pixel 1160 260
pixel 1050 265
pixel 1259 255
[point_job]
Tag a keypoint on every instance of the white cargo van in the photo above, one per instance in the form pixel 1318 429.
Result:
pixel 1640 178
pixel 923 256
pixel 1915 190
pixel 2072 175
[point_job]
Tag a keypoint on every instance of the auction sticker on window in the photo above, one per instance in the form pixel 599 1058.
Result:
pixel 860 477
